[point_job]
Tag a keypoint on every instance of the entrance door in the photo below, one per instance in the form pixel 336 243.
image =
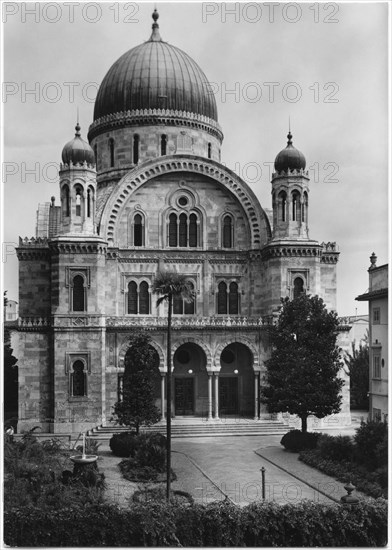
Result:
pixel 228 395
pixel 183 396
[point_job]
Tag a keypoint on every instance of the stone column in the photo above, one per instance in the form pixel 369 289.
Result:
pixel 209 396
pixel 256 417
pixel 163 374
pixel 216 396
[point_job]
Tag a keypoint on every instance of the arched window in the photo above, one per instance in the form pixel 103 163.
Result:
pixel 163 144
pixel 193 230
pixel 111 152
pixel 78 294
pixel 78 380
pixel 209 150
pixel 227 232
pixel 173 230
pixel 132 298
pixel 66 203
pixel 136 142
pixel 305 207
pixel 183 230
pixel 138 230
pixel 298 287
pixel 144 299
pixel 88 203
pixel 282 205
pixel 96 154
pixel 222 298
pixel 181 307
pixel 78 202
pixel 233 299
pixel 296 206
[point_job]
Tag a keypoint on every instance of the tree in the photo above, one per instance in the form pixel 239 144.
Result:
pixel 169 285
pixel 357 363
pixel 137 408
pixel 303 371
pixel 10 372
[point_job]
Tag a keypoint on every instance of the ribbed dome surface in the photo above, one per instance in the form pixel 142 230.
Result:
pixel 155 75
pixel 290 158
pixel 77 150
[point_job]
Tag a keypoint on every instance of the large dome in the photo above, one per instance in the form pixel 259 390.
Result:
pixel 155 75
pixel 290 158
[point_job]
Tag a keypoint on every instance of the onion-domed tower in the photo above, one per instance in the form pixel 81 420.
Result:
pixel 154 101
pixel 290 193
pixel 78 187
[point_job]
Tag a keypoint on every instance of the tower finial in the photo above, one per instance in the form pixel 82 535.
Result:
pixel 77 127
pixel 155 36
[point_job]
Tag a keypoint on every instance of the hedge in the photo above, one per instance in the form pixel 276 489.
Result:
pixel 365 481
pixel 306 524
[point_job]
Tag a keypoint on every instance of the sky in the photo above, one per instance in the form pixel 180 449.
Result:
pixel 323 66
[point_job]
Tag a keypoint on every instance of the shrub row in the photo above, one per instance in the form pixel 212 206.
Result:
pixel 374 484
pixel 307 524
pixel 296 441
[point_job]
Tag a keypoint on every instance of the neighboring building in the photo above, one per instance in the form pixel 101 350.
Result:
pixel 149 193
pixel 377 296
pixel 11 310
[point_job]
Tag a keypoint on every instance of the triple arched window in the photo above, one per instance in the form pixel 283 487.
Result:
pixel 181 306
pixel 183 230
pixel 139 298
pixel 228 298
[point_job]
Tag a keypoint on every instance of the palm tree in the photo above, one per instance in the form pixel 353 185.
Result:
pixel 169 285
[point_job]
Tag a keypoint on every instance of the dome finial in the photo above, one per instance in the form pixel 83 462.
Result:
pixel 77 127
pixel 155 36
pixel 289 135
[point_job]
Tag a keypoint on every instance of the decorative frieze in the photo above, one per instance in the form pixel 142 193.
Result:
pixel 190 322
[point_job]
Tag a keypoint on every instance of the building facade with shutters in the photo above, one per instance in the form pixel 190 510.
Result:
pixel 146 194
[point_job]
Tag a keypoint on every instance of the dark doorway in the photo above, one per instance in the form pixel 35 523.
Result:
pixel 184 396
pixel 228 395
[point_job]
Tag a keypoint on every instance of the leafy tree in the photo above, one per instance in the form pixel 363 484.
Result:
pixel 357 363
pixel 169 285
pixel 303 371
pixel 137 406
pixel 10 371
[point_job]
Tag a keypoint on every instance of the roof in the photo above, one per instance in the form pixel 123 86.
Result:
pixel 372 295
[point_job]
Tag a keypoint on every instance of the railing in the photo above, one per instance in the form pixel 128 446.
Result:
pixel 191 321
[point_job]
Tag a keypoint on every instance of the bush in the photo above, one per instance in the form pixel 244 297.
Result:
pixel 296 441
pixel 336 448
pixel 159 494
pixel 151 452
pixel 371 440
pixel 123 444
pixel 307 524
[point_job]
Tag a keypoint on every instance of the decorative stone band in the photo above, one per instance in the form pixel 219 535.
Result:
pixel 151 117
pixel 32 248
pixel 189 163
pixel 79 166
pixel 191 322
pixel 327 252
pixel 183 322
pixel 291 173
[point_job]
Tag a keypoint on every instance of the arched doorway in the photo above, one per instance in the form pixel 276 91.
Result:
pixel 236 381
pixel 190 381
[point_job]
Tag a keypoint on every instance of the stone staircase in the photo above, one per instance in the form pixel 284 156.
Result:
pixel 201 428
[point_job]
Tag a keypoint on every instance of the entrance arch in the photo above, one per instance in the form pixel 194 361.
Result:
pixel 190 380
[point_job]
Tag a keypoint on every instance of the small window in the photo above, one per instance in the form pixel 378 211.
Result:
pixel 181 307
pixel 209 150
pixel 136 142
pixel 96 154
pixel 227 232
pixel 376 415
pixel 78 380
pixel 138 230
pixel 233 299
pixel 282 206
pixel 66 203
pixel 163 144
pixel 88 203
pixel 376 316
pixel 144 299
pixel 111 152
pixel 132 298
pixel 193 230
pixel 183 230
pixel 78 294
pixel 78 203
pixel 298 287
pixel 120 387
pixel 376 366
